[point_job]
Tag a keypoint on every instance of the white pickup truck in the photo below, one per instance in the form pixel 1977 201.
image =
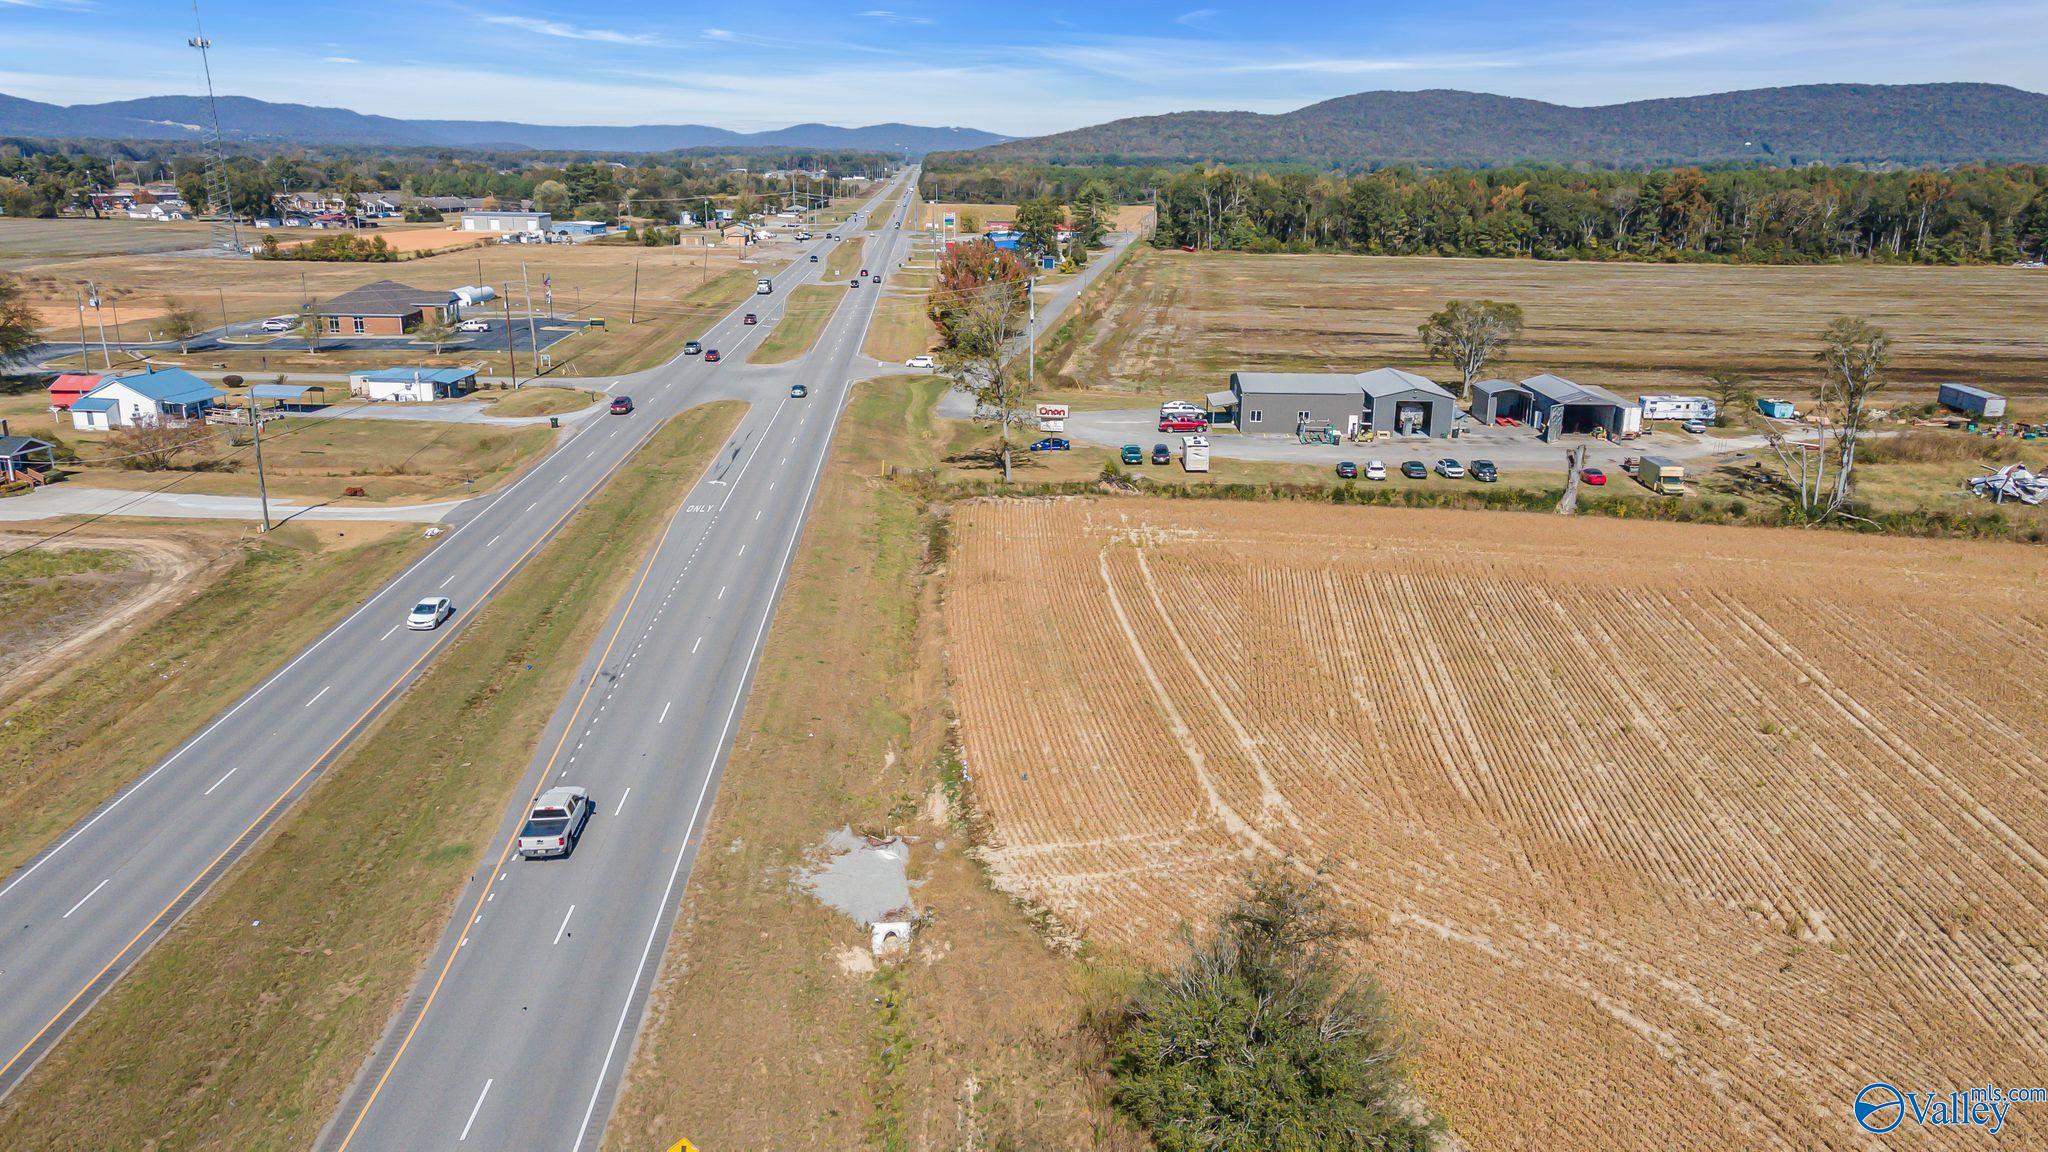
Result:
pixel 556 822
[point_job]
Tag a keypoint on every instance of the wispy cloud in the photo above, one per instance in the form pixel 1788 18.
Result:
pixel 52 5
pixel 1200 18
pixel 339 60
pixel 888 17
pixel 560 30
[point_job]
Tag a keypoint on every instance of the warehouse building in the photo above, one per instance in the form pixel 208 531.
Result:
pixel 1561 407
pixel 532 223
pixel 1497 400
pixel 1382 400
pixel 1405 404
pixel 1972 401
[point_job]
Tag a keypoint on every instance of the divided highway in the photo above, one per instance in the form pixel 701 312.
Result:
pixel 522 1026
pixel 658 697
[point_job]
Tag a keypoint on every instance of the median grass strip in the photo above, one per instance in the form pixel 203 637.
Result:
pixel 844 259
pixel 74 739
pixel 245 1024
pixel 771 1026
pixel 809 308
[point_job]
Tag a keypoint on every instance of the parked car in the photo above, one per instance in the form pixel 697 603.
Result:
pixel 622 405
pixel 1414 470
pixel 750 318
pixel 1347 470
pixel 1133 454
pixel 1484 471
pixel 711 356
pixel 919 361
pixel 1051 444
pixel 692 348
pixel 555 823
pixel 1161 454
pixel 1450 469
pixel 280 323
pixel 1182 422
pixel 1696 427
pixel 1593 476
pixel 798 391
pixel 1375 470
pixel 474 326
pixel 1180 406
pixel 428 614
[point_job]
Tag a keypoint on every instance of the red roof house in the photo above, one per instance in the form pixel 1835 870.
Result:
pixel 71 386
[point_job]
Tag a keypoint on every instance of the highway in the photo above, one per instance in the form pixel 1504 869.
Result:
pixel 521 1028
pixel 81 912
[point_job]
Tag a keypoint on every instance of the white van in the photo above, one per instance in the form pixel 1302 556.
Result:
pixel 763 286
pixel 1179 406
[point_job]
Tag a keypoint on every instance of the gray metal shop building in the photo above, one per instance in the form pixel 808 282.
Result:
pixel 1382 400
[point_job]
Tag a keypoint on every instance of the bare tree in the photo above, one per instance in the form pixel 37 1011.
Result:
pixel 1853 357
pixel 154 446
pixel 1574 462
pixel 435 332
pixel 309 330
pixel 179 322
pixel 1731 390
pixel 1471 334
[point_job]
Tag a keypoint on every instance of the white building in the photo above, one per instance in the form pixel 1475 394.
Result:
pixel 168 394
pixel 416 385
pixel 536 223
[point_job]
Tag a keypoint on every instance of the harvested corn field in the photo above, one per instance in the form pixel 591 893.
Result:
pixel 1669 836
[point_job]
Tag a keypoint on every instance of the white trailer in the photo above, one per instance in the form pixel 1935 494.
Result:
pixel 1677 408
pixel 1194 453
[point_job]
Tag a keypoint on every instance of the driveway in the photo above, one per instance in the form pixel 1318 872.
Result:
pixel 76 500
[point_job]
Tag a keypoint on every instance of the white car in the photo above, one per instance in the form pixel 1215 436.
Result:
pixel 1375 470
pixel 1696 427
pixel 280 323
pixel 556 822
pixel 428 614
pixel 474 326
pixel 1179 406
pixel 918 362
pixel 1450 469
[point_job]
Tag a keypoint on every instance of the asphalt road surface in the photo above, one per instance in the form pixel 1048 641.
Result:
pixel 520 1030
pixel 250 337
pixel 80 913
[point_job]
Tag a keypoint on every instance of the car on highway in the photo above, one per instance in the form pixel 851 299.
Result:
pixel 692 348
pixel 1347 470
pixel 428 614
pixel 555 823
pixel 1051 444
pixel 1696 427
pixel 856 282
pixel 798 391
pixel 280 323
pixel 474 326
pixel 919 361
pixel 814 257
pixel 874 279
pixel 1375 470
pixel 1414 470
pixel 1450 469
pixel 622 405
pixel 1484 471
pixel 711 356
pixel 863 272
pixel 1593 476
pixel 1133 454
pixel 750 318
pixel 1161 454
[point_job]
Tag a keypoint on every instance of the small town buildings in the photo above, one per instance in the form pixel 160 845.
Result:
pixel 1972 401
pixel 25 457
pixel 576 231
pixel 1561 407
pixel 536 223
pixel 1383 400
pixel 412 384
pixel 166 394
pixel 387 308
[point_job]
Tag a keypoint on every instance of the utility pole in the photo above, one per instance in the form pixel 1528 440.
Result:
pixel 84 349
pixel 511 358
pixel 532 333
pixel 223 309
pixel 1031 334
pixel 256 423
pixel 92 295
pixel 218 199
pixel 635 317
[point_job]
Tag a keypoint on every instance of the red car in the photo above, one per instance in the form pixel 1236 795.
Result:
pixel 863 271
pixel 1183 424
pixel 711 356
pixel 621 405
pixel 1593 476
pixel 1187 247
pixel 751 319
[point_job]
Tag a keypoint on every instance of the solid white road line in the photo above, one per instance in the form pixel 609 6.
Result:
pixel 89 895
pixel 663 718
pixel 622 801
pixel 316 696
pixel 565 921
pixel 473 1111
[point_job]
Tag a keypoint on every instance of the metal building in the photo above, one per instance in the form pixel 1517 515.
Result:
pixel 1563 407
pixel 1494 399
pixel 1405 404
pixel 1281 401
pixel 1972 401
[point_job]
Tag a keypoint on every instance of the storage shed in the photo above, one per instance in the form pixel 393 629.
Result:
pixel 1495 400
pixel 1564 407
pixel 1405 404
pixel 1972 401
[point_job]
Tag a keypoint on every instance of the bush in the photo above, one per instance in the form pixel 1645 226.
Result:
pixel 1261 1039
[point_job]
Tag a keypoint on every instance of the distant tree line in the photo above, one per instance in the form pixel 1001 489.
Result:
pixel 1765 215
pixel 43 178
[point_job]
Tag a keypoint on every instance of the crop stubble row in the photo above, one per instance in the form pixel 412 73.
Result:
pixel 1670 836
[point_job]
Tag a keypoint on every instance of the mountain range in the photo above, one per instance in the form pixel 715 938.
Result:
pixel 260 121
pixel 1834 123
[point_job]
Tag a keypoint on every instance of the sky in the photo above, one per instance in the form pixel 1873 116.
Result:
pixel 1018 69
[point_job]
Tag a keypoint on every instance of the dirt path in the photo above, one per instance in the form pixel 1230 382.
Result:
pixel 165 571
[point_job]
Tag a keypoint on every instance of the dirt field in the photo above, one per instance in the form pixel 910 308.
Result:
pixel 1670 836
pixel 24 241
pixel 398 237
pixel 58 600
pixel 1182 322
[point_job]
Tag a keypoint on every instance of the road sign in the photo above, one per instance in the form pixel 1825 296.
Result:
pixel 682 1146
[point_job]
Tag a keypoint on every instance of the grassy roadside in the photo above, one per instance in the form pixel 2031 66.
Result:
pixel 969 1044
pixel 844 259
pixel 539 401
pixel 78 736
pixel 230 1035
pixel 623 348
pixel 809 308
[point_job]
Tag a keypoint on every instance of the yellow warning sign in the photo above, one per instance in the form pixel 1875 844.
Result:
pixel 682 1146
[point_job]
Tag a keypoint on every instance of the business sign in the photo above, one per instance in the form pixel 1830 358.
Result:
pixel 1052 417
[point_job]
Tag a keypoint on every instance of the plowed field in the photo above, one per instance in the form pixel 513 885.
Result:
pixel 1669 836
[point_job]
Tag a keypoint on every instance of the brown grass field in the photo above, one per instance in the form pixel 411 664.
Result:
pixel 1668 836
pixel 1182 322
pixel 1128 218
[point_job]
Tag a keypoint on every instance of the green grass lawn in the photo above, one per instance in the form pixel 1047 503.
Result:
pixel 809 308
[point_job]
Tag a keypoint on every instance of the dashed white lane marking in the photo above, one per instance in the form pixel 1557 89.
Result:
pixel 694 647
pixel 721 590
pixel 89 895
pixel 622 801
pixel 444 583
pixel 562 477
pixel 530 507
pixel 473 1111
pixel 223 779
pixel 565 923
pixel 495 539
pixel 388 632
pixel 316 696
pixel 663 718
pixel 743 551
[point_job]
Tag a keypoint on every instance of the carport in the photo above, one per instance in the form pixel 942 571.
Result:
pixel 1564 408
pixel 1493 400
pixel 290 397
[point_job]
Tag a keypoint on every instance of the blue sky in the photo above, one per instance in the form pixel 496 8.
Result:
pixel 1007 67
